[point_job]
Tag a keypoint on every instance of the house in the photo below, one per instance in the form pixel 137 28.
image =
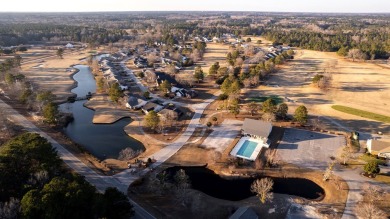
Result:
pixel 256 128
pixel 244 213
pixel 379 148
pixel 216 39
pixel 135 103
pixel 160 77
pixel 181 92
pixel 123 87
pixel 69 46
pixel 149 106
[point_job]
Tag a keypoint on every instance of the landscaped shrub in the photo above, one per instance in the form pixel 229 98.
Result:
pixel 371 167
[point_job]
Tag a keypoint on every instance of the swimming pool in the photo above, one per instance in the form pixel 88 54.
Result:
pixel 247 148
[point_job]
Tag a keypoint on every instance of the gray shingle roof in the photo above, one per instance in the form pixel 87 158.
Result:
pixel 257 127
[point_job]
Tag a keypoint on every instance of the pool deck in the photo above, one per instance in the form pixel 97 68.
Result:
pixel 260 144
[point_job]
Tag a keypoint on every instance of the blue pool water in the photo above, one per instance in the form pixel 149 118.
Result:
pixel 247 149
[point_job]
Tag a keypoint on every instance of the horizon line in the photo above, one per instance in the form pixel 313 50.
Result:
pixel 302 12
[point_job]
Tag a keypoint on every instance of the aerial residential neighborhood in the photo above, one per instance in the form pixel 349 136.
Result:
pixel 196 110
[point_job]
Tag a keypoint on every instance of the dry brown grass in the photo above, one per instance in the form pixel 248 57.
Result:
pixel 358 85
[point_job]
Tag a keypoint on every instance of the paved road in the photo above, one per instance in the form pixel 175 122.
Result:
pixel 100 182
pixel 164 154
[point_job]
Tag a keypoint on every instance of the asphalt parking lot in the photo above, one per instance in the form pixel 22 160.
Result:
pixel 309 149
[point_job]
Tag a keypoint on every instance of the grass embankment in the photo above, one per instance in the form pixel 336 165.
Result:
pixel 362 113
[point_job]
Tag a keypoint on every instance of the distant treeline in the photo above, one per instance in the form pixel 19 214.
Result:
pixel 16 34
pixel 375 43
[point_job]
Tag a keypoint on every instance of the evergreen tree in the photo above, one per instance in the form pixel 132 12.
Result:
pixel 301 115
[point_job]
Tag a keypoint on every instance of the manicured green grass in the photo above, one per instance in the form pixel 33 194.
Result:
pixel 277 99
pixel 362 113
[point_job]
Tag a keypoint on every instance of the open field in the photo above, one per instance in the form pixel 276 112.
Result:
pixel 362 113
pixel 53 74
pixel 364 86
pixel 215 52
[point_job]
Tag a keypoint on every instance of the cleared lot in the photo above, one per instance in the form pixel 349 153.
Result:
pixel 223 135
pixel 308 149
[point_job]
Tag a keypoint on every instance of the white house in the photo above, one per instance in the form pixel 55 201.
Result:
pixel 379 148
pixel 256 129
pixel 135 103
pixel 69 46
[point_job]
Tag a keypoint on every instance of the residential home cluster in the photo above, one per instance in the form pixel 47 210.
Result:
pixel 165 110
pixel 157 78
pixel 113 71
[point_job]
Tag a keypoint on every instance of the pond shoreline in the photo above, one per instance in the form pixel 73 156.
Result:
pixel 104 140
pixel 238 188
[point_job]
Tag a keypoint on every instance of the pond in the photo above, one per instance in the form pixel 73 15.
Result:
pixel 205 180
pixel 101 140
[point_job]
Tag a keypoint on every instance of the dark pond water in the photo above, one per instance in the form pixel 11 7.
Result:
pixel 207 181
pixel 101 140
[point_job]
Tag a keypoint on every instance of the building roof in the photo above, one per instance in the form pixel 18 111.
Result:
pixel 149 106
pixel 257 127
pixel 134 101
pixel 162 77
pixel 244 213
pixel 380 147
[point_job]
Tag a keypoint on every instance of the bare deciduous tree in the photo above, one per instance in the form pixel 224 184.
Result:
pixel 196 55
pixel 269 116
pixel 239 61
pixel 329 171
pixel 152 57
pixel 128 154
pixel 369 211
pixel 159 183
pixel 171 70
pixel 372 193
pixel 356 54
pixel 10 209
pixel 272 159
pixel 344 154
pixel 182 182
pixel 255 80
pixel 253 107
pixel 262 187
pixel 257 58
pixel 247 82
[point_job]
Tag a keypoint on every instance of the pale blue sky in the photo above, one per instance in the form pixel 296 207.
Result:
pixel 354 6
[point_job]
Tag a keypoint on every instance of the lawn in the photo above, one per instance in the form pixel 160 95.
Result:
pixel 362 113
pixel 277 99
